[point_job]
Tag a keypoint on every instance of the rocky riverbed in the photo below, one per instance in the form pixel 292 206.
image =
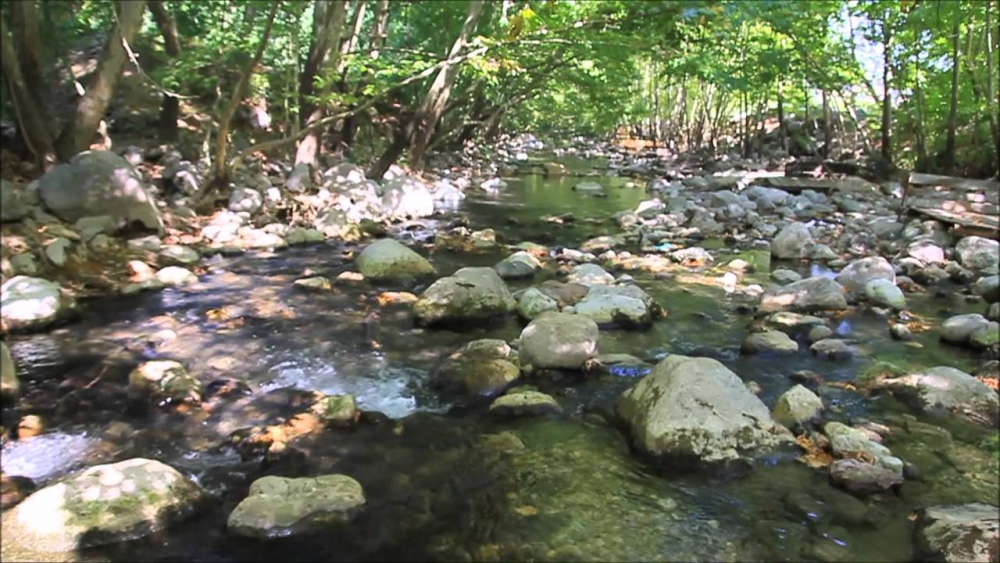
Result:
pixel 569 354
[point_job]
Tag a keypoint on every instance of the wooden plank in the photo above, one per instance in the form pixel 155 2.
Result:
pixel 978 222
pixel 917 179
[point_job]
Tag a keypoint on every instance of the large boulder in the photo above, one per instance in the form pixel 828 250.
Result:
pixel 625 306
pixel 558 341
pixel 28 304
pixel 696 408
pixel 857 274
pixel 388 259
pixel 964 533
pixel 979 254
pixel 792 242
pixel 280 507
pixel 99 183
pixel 805 296
pixel 471 294
pixel 407 197
pixel 481 367
pixel 101 505
pixel 972 330
pixel 944 390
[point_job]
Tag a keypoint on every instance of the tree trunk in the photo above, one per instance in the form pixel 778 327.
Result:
pixel 308 147
pixel 948 162
pixel 222 136
pixel 380 26
pixel 886 98
pixel 27 44
pixel 921 129
pixel 30 121
pixel 170 110
pixel 782 130
pixel 827 133
pixel 430 110
pixel 90 109
pixel 992 93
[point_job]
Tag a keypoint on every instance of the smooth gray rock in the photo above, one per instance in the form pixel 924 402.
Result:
pixel 532 303
pixel 558 341
pixel 280 507
pixel 589 275
pixel 784 277
pixel 101 505
pixel 518 265
pixel 770 342
pixel 407 197
pixel 792 242
pixel 863 478
pixel 963 533
pixel 857 274
pixel 884 293
pixel 697 408
pixel 945 390
pixel 388 259
pixel 806 296
pixel 471 294
pixel 979 254
pixel 13 205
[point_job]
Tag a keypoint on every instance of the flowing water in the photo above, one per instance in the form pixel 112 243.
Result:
pixel 443 481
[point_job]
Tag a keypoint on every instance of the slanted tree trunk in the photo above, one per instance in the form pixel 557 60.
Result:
pixel 327 43
pixel 29 116
pixel 221 168
pixel 948 162
pixel 90 109
pixel 886 98
pixel 430 110
pixel 170 110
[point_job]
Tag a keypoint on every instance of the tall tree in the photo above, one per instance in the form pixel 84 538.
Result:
pixel 949 149
pixel 170 110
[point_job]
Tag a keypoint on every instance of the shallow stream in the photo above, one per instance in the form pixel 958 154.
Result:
pixel 444 481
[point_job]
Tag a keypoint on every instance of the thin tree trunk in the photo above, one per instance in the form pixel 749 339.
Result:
pixel 30 121
pixel 782 130
pixel 949 146
pixel 437 96
pixel 992 93
pixel 222 136
pixel 886 98
pixel 921 129
pixel 170 110
pixel 308 148
pixel 91 107
pixel 827 132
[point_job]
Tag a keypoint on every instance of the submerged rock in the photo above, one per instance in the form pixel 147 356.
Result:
pixel 863 478
pixel 280 507
pixel 944 390
pixel 697 408
pixel 101 505
pixel 315 283
pixel 337 410
pixel 10 387
pixel 772 341
pixel 388 259
pixel 471 294
pixel 964 533
pixel 558 341
pixel 28 304
pixel 481 367
pixel 806 296
pixel 525 403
